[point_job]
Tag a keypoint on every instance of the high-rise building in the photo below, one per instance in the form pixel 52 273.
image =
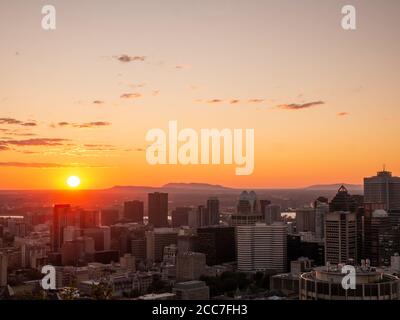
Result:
pixel 262 247
pixel 340 237
pixel 109 217
pixel 247 210
pixel 180 216
pixel 217 243
pixel 134 211
pixel 190 266
pixel 158 209
pixel 321 209
pixel 156 240
pixel 138 249
pixel 272 213
pixel 305 220
pixel 343 201
pixel 61 214
pixel 89 218
pixel 3 269
pixel 383 188
pixel 213 210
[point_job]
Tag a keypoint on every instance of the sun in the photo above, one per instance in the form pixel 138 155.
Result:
pixel 73 181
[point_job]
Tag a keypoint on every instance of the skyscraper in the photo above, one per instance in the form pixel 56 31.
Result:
pixel 262 247
pixel 217 243
pixel 133 211
pixel 321 209
pixel 272 213
pixel 340 237
pixel 61 218
pixel 3 269
pixel 158 209
pixel 305 219
pixel 213 210
pixel 343 201
pixel 383 188
pixel 180 216
pixel 247 210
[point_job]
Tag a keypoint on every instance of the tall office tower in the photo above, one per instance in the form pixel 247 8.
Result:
pixel 109 217
pixel 180 216
pixel 3 269
pixel 213 210
pixel 101 237
pixel 156 240
pixel 263 204
pixel 203 217
pixel 190 266
pixel 217 243
pixel 343 201
pixel 272 213
pixel 321 209
pixel 248 202
pixel 138 249
pixel 340 237
pixel 305 220
pixel 158 209
pixel 61 213
pixel 378 241
pixel 134 211
pixel 262 247
pixel 383 188
pixel 88 218
pixel 248 212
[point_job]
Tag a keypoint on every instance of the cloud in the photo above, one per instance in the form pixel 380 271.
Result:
pixel 84 125
pixel 36 142
pixel 13 121
pixel 182 66
pixel 256 100
pixel 295 106
pixel 343 114
pixel 98 102
pixel 3 147
pixel 125 58
pixel 130 95
pixel 234 101
pixel 42 165
pixel 215 101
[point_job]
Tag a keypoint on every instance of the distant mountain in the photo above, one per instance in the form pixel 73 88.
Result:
pixel 195 186
pixel 335 186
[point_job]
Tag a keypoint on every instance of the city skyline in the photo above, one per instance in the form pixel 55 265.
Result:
pixel 78 100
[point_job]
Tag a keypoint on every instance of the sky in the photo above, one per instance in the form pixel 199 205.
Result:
pixel 79 100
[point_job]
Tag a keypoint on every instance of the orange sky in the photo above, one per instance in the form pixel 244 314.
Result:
pixel 323 101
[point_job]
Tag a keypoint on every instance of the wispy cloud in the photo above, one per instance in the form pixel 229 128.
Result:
pixel 255 100
pixel 42 165
pixel 215 101
pixel 126 58
pixel 130 95
pixel 12 121
pixel 35 142
pixel 98 102
pixel 343 114
pixel 296 106
pixel 84 125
